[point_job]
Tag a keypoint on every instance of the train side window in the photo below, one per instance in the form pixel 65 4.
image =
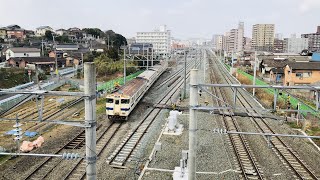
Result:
pixel 117 102
pixel 125 101
pixel 109 100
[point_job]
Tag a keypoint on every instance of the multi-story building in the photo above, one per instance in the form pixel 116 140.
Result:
pixel 278 46
pixel 313 40
pixel 295 45
pixel 263 37
pixel 219 41
pixel 246 44
pixel 41 31
pixel 160 39
pixel 234 38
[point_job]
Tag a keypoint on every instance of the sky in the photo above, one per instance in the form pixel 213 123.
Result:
pixel 185 18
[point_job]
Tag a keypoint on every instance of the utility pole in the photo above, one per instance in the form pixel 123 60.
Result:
pixel 82 64
pixel 108 42
pixel 55 54
pixel 148 58
pixel 124 66
pixel 185 75
pixel 90 120
pixel 204 66
pixel 193 125
pixel 152 57
pixel 254 73
pixel 42 51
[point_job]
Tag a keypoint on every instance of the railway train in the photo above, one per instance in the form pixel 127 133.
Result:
pixel 120 103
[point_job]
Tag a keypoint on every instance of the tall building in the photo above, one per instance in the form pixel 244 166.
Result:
pixel 246 44
pixel 278 45
pixel 295 45
pixel 263 37
pixel 160 39
pixel 234 38
pixel 219 41
pixel 313 40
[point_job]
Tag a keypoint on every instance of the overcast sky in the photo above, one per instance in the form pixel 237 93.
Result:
pixel 185 18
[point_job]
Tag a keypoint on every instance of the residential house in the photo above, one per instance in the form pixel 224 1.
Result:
pixel 276 75
pixel 16 33
pixel 61 32
pixel 3 33
pixel 53 54
pixel 40 62
pixel 41 31
pixel 75 33
pixel 267 64
pixel 22 52
pixel 298 73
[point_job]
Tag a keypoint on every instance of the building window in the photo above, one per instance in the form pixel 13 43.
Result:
pixel 299 75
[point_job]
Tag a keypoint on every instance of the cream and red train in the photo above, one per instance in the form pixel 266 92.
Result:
pixel 121 103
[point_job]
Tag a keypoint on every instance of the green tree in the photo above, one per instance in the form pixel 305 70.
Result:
pixel 63 39
pixel 96 32
pixel 48 35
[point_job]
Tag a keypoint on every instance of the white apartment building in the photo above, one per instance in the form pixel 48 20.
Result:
pixel 41 31
pixel 262 37
pixel 295 45
pixel 160 39
pixel 219 41
pixel 234 38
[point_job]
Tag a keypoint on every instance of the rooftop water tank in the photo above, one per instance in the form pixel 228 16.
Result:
pixel 315 57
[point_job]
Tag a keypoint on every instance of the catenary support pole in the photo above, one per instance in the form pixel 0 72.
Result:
pixel 124 66
pixel 204 65
pixel 235 97
pixel 275 97
pixel 148 58
pixel 317 100
pixel 254 73
pixel 185 76
pixel 193 125
pixel 90 119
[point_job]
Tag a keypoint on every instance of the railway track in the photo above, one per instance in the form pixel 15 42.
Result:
pixel 247 163
pixel 79 171
pixel 286 154
pixel 47 166
pixel 124 152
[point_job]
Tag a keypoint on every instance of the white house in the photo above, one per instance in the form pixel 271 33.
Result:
pixel 61 32
pixel 22 52
pixel 41 31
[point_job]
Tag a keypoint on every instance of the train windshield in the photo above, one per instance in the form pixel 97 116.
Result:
pixel 109 100
pixel 117 102
pixel 125 101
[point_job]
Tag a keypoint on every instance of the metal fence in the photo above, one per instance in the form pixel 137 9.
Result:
pixel 10 102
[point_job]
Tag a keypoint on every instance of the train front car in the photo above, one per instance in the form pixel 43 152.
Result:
pixel 120 103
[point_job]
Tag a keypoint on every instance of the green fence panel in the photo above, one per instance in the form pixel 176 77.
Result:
pixel 108 86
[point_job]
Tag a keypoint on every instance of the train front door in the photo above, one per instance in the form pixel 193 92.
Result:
pixel 117 107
